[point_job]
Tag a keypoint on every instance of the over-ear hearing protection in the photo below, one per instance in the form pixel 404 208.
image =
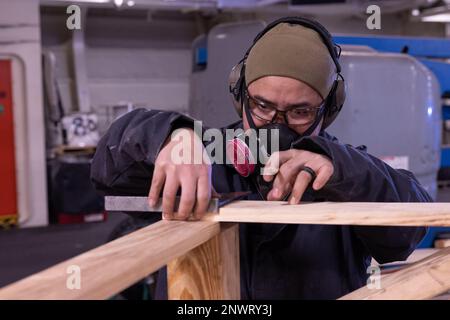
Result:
pixel 336 97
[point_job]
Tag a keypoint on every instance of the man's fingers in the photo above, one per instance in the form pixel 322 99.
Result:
pixel 274 163
pixel 169 195
pixel 277 194
pixel 187 199
pixel 214 193
pixel 203 197
pixel 280 188
pixel 284 180
pixel 323 175
pixel 301 183
pixel 156 186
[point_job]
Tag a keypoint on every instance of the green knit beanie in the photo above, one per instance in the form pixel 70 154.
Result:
pixel 294 51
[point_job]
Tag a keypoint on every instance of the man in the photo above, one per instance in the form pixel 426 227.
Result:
pixel 289 75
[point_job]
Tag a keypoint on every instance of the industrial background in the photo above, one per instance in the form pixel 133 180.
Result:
pixel 60 90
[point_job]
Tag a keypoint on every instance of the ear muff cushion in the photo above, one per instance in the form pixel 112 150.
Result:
pixel 235 81
pixel 340 94
pixel 335 104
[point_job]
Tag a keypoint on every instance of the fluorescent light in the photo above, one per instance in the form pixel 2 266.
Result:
pixel 415 12
pixel 130 3
pixel 440 17
pixel 435 14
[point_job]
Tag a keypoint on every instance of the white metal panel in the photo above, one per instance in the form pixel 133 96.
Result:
pixel 393 107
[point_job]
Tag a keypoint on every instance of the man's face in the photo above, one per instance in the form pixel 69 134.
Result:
pixel 284 93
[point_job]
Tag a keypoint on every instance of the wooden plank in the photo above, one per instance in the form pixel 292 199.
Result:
pixel 422 280
pixel 442 243
pixel 338 213
pixel 107 270
pixel 210 271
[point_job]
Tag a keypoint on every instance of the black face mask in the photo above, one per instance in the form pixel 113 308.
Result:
pixel 247 158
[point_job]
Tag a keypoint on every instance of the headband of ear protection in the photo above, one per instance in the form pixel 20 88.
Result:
pixel 335 99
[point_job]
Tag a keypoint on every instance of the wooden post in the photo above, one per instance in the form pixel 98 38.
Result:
pixel 210 271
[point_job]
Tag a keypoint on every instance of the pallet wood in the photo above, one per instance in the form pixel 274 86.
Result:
pixel 338 213
pixel 187 279
pixel 424 279
pixel 114 266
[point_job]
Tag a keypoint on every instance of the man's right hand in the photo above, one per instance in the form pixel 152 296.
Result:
pixel 170 174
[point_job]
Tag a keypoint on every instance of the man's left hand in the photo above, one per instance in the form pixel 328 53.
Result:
pixel 285 168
